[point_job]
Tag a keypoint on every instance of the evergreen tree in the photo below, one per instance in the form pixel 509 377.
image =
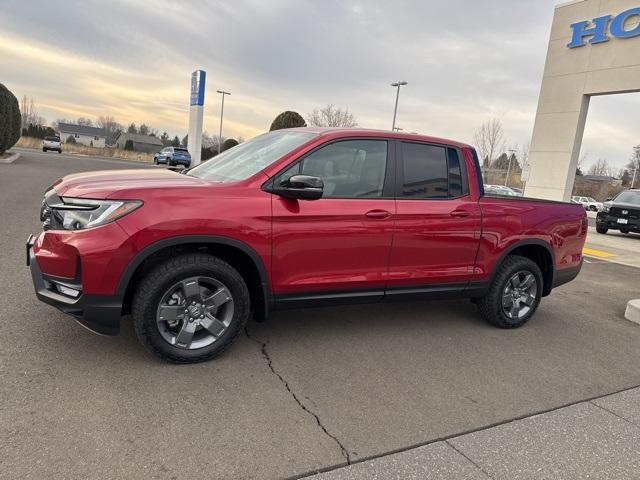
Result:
pixel 287 119
pixel 10 119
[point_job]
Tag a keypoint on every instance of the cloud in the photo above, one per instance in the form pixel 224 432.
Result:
pixel 464 61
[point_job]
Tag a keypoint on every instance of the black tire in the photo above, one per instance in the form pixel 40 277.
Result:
pixel 44 150
pixel 593 208
pixel 155 160
pixel 490 306
pixel 602 230
pixel 626 232
pixel 170 162
pixel 149 293
pixel 59 151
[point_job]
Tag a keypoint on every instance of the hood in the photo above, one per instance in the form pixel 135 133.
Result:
pixel 107 183
pixel 628 206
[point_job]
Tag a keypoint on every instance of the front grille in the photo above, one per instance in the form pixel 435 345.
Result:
pixel 632 214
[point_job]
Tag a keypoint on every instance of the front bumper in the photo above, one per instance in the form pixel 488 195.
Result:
pixel 606 220
pixel 99 313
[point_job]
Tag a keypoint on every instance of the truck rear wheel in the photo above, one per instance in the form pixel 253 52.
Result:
pixel 602 230
pixel 190 308
pixel 514 294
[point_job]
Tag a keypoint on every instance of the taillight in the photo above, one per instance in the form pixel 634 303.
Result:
pixel 585 225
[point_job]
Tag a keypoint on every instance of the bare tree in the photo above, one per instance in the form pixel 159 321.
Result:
pixel 29 112
pixel 489 140
pixel 581 162
pixel 523 153
pixel 211 142
pixel 331 116
pixel 601 168
pixel 634 166
pixel 111 127
pixel 87 122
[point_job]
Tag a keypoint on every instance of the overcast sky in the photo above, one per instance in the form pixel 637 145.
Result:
pixel 465 63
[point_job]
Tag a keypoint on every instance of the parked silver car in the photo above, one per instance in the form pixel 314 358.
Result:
pixel 51 143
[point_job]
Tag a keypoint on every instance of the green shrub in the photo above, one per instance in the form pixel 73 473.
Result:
pixel 128 145
pixel 10 119
pixel 71 139
pixel 287 120
pixel 229 143
pixel 207 153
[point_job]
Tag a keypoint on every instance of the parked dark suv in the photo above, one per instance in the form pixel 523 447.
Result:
pixel 622 213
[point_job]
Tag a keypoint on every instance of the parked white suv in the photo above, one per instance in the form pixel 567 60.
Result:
pixel 51 143
pixel 589 203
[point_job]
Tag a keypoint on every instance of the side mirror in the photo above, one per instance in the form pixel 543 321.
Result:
pixel 608 199
pixel 302 187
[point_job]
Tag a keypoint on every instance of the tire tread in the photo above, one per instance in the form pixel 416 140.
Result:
pixel 490 306
pixel 147 289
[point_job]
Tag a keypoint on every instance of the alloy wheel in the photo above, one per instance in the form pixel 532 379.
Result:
pixel 195 312
pixel 519 295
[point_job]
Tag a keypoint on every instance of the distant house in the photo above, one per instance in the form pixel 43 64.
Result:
pixel 596 186
pixel 141 143
pixel 89 136
pixel 613 181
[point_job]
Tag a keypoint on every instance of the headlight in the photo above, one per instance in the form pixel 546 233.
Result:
pixel 78 213
pixel 606 208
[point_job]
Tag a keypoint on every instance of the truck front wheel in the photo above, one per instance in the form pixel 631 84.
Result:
pixel 190 308
pixel 514 294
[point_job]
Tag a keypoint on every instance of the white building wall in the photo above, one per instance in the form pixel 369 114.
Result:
pixel 571 77
pixel 88 140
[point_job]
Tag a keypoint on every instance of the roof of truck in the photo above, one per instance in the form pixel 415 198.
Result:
pixel 364 132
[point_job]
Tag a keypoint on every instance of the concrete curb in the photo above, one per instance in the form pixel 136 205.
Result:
pixel 11 158
pixel 633 311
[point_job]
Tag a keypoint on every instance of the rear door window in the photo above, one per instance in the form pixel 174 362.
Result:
pixel 431 172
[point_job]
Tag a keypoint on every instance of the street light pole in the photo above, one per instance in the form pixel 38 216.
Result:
pixel 223 93
pixel 395 110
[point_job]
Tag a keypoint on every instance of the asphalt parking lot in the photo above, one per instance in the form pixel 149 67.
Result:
pixel 308 390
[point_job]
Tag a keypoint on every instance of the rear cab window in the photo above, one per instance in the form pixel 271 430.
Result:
pixel 428 172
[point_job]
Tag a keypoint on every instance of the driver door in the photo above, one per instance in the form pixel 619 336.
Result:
pixel 337 246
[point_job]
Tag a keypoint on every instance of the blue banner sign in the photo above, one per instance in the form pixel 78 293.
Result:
pixel 601 29
pixel 198 79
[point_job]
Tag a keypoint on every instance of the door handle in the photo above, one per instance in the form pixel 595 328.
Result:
pixel 378 214
pixel 460 213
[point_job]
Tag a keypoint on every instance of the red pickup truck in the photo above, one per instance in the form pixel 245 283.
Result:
pixel 295 218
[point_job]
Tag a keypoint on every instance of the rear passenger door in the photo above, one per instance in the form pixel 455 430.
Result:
pixel 437 223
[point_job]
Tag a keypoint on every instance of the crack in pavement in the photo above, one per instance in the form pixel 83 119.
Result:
pixel 265 354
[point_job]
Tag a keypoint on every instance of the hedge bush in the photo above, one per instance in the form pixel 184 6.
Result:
pixel 229 143
pixel 288 120
pixel 10 119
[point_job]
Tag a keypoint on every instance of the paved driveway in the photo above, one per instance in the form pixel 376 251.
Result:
pixel 308 390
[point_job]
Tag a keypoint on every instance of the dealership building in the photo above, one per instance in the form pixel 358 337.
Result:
pixel 594 49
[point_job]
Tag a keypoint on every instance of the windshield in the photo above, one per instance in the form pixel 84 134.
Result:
pixel 628 197
pixel 248 158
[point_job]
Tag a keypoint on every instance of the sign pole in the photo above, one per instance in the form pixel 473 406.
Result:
pixel 196 114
